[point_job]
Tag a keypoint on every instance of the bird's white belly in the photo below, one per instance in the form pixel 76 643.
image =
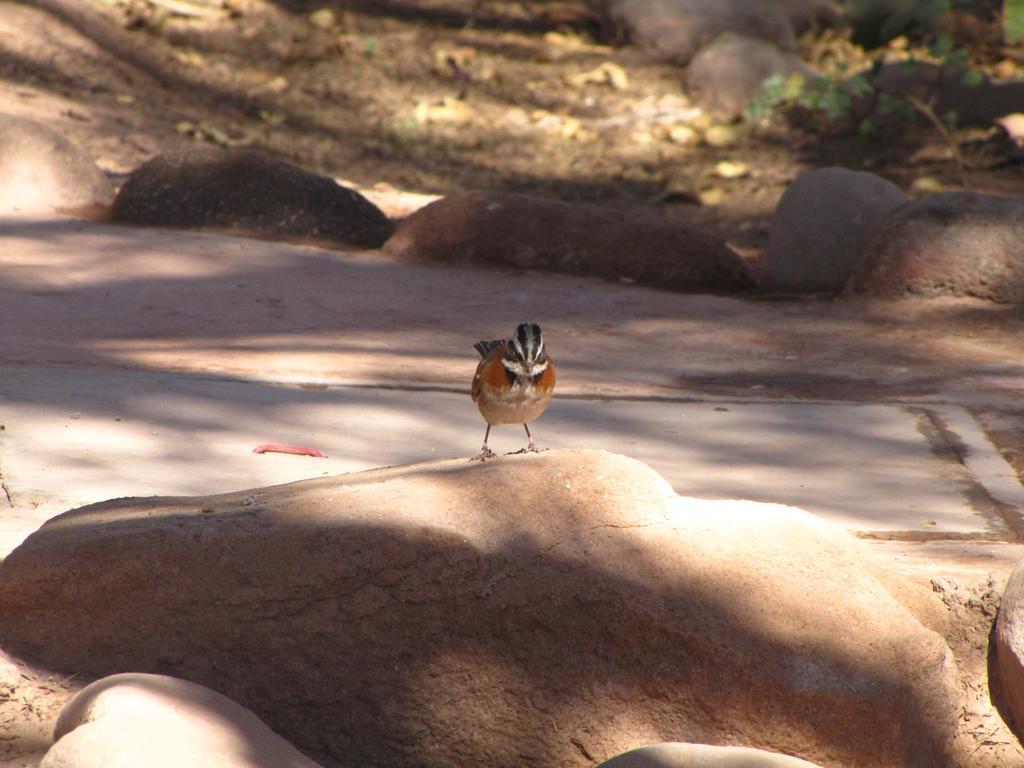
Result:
pixel 518 405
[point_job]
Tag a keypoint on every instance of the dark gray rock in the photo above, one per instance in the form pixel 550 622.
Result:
pixel 726 75
pixel 950 244
pixel 674 30
pixel 525 232
pixel 244 190
pixel 821 229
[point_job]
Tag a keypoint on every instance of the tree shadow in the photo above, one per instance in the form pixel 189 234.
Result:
pixel 184 357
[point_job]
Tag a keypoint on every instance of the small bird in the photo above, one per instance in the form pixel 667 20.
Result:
pixel 514 382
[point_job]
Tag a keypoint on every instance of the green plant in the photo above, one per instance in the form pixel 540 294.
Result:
pixel 831 96
pixel 834 97
pixel 1013 21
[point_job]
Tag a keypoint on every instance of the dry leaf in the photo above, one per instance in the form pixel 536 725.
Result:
pixel 323 19
pixel 731 170
pixel 1014 127
pixel 607 73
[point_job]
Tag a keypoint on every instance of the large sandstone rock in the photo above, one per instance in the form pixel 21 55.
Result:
pixel 41 171
pixel 539 608
pixel 675 30
pixel 243 190
pixel 676 755
pixel 950 244
pixel 528 232
pixel 726 75
pixel 1009 646
pixel 822 227
pixel 131 720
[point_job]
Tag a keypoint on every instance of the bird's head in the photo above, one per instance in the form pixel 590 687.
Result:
pixel 525 355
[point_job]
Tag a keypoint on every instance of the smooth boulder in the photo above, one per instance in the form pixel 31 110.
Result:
pixel 542 607
pixel 130 720
pixel 41 171
pixel 726 75
pixel 246 191
pixel 1009 646
pixel 527 232
pixel 821 229
pixel 674 30
pixel 949 244
pixel 678 755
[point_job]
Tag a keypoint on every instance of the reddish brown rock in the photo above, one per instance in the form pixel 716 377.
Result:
pixel 945 90
pixel 243 190
pixel 526 232
pixel 950 244
pixel 551 605
pixel 822 227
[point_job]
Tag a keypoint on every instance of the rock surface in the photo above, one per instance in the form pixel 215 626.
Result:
pixel 822 227
pixel 675 30
pixel 945 90
pixel 677 755
pixel 726 75
pixel 455 613
pixel 526 232
pixel 130 720
pixel 1009 647
pixel 41 171
pixel 243 190
pixel 804 15
pixel 949 244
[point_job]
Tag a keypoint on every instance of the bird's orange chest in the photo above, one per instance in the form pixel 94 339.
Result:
pixel 493 377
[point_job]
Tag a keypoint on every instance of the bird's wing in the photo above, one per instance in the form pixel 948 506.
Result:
pixel 494 353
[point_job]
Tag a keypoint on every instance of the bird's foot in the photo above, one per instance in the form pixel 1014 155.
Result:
pixel 531 448
pixel 485 454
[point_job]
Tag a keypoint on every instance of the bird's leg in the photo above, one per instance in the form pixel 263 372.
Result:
pixel 531 446
pixel 485 452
